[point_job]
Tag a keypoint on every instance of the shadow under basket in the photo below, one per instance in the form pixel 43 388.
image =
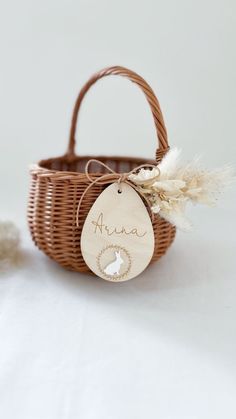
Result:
pixel 57 185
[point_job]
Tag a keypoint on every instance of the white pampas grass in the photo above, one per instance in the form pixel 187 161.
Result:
pixel 9 243
pixel 170 186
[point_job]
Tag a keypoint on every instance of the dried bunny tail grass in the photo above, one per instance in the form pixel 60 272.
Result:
pixel 220 178
pixel 205 186
pixel 176 185
pixel 170 162
pixel 178 219
pixel 9 243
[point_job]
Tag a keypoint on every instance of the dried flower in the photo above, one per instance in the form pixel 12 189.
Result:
pixel 170 186
pixel 9 243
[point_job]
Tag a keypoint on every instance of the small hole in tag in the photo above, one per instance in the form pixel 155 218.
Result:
pixel 114 235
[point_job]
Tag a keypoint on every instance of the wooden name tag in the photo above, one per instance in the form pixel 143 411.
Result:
pixel 117 239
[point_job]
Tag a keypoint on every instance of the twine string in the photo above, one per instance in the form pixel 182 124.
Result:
pixel 119 178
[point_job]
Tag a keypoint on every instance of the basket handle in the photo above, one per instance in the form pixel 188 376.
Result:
pixel 150 96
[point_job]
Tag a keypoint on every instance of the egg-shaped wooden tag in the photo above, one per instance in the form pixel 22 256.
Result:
pixel 117 239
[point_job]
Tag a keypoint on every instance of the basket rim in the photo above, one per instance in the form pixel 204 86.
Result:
pixel 40 170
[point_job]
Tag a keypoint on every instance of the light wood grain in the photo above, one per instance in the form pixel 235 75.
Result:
pixel 117 240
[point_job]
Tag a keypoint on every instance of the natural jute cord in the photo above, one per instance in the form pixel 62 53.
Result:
pixel 119 178
pixel 57 185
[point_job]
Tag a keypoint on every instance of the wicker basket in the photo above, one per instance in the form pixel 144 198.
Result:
pixel 58 183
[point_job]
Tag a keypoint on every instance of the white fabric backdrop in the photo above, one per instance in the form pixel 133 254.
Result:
pixel 162 345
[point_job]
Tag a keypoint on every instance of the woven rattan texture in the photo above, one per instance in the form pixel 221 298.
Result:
pixel 57 185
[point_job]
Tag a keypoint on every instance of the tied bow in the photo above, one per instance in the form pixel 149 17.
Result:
pixel 119 178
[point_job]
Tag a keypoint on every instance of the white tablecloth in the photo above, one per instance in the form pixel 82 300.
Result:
pixel 159 346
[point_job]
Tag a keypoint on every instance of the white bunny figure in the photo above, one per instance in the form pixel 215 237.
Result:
pixel 114 267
